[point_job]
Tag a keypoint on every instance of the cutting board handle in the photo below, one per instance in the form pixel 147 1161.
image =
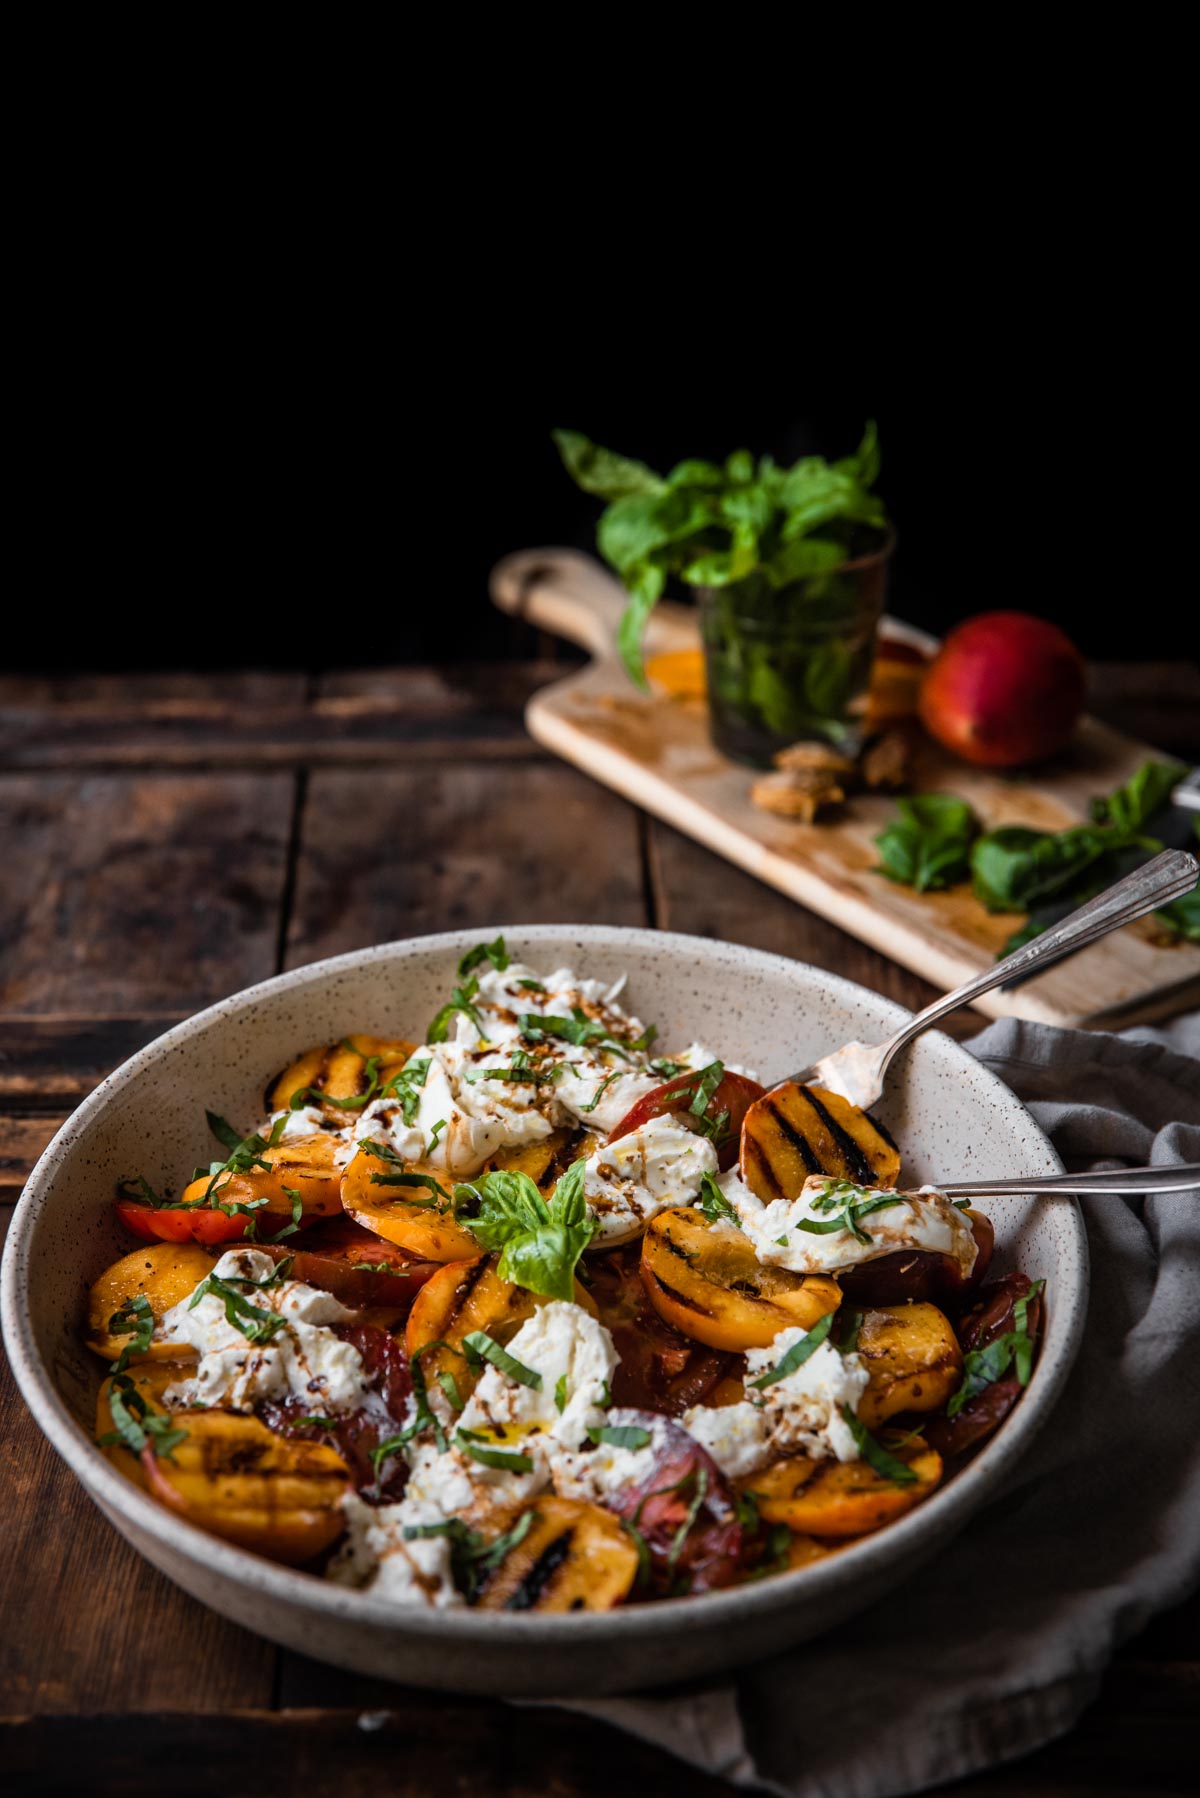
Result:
pixel 574 596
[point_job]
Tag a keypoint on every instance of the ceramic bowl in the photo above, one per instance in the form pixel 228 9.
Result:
pixel 949 1114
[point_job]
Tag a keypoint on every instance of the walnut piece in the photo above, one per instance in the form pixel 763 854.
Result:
pixel 818 758
pixel 797 793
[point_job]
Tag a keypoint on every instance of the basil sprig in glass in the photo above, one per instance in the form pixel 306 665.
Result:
pixel 789 566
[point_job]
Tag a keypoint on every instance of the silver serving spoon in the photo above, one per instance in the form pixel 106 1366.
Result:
pixel 1133 1180
pixel 858 1070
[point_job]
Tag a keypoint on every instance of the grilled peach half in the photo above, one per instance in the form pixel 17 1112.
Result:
pixel 307 1166
pixel 794 1131
pixel 913 1358
pixel 844 1498
pixel 706 1280
pixel 419 1217
pixel 573 1556
pixel 162 1273
pixel 234 1478
pixel 341 1071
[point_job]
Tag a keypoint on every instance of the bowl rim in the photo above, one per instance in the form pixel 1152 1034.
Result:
pixel 319 1597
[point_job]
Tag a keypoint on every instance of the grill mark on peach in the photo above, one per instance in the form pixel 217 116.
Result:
pixel 798 1141
pixel 856 1159
pixel 681 1299
pixel 541 1576
pixel 766 1172
pixel 463 1291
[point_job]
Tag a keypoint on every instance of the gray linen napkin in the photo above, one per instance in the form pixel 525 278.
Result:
pixel 960 1668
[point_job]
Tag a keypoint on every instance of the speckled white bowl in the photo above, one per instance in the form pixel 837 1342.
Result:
pixel 949 1114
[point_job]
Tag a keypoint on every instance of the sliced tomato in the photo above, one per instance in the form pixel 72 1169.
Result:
pixel 165 1225
pixel 684 1511
pixel 353 1264
pixel 734 1096
pixel 357 1434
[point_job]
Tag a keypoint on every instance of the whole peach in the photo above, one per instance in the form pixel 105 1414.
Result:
pixel 1004 690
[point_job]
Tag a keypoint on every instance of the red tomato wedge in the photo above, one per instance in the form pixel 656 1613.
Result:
pixel 735 1094
pixel 683 1510
pixel 201 1225
pixel 358 1268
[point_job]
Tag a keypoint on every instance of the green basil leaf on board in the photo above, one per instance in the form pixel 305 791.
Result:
pixel 933 842
pixel 928 844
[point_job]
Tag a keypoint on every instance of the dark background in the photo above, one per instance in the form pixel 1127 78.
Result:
pixel 257 485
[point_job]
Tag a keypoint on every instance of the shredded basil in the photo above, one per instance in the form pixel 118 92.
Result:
pixel 449 1386
pixel 600 1090
pixel 134 1318
pixel 982 1367
pixel 255 1324
pixel 714 1205
pixel 693 1511
pixel 875 1454
pixel 405 1086
pixel 137 1426
pixel 797 1355
pixel 560 1393
pixel 620 1435
pixel 472 1555
pixel 492 1457
pixel 496 953
pixel 479 1346
pixel 459 1001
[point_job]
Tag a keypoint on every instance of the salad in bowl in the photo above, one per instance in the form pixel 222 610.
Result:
pixel 538 1315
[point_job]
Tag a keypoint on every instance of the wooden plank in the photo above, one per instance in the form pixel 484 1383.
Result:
pixel 52 1062
pixel 1139 1739
pixel 656 750
pixel 261 721
pixel 93 1627
pixel 427 1749
pixel 443 848
pixel 155 892
pixel 22 1140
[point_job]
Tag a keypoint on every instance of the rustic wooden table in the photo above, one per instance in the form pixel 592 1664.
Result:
pixel 168 839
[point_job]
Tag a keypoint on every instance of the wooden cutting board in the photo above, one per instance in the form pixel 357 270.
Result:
pixel 655 749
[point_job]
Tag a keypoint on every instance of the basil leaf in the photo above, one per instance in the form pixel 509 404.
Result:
pixel 384 1452
pixel 485 1348
pixel 539 1244
pixel 927 845
pixel 620 1435
pixel 714 1205
pixel 797 1355
pixel 449 1386
pixel 875 1454
pixel 601 472
pixel 560 1393
pixel 459 1001
pixel 495 952
pixel 255 1324
pixel 601 1090
pixel 135 1318
pixel 982 1367
pixel 137 1427
pixel 405 1086
pixel 713 524
pixel 492 1457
